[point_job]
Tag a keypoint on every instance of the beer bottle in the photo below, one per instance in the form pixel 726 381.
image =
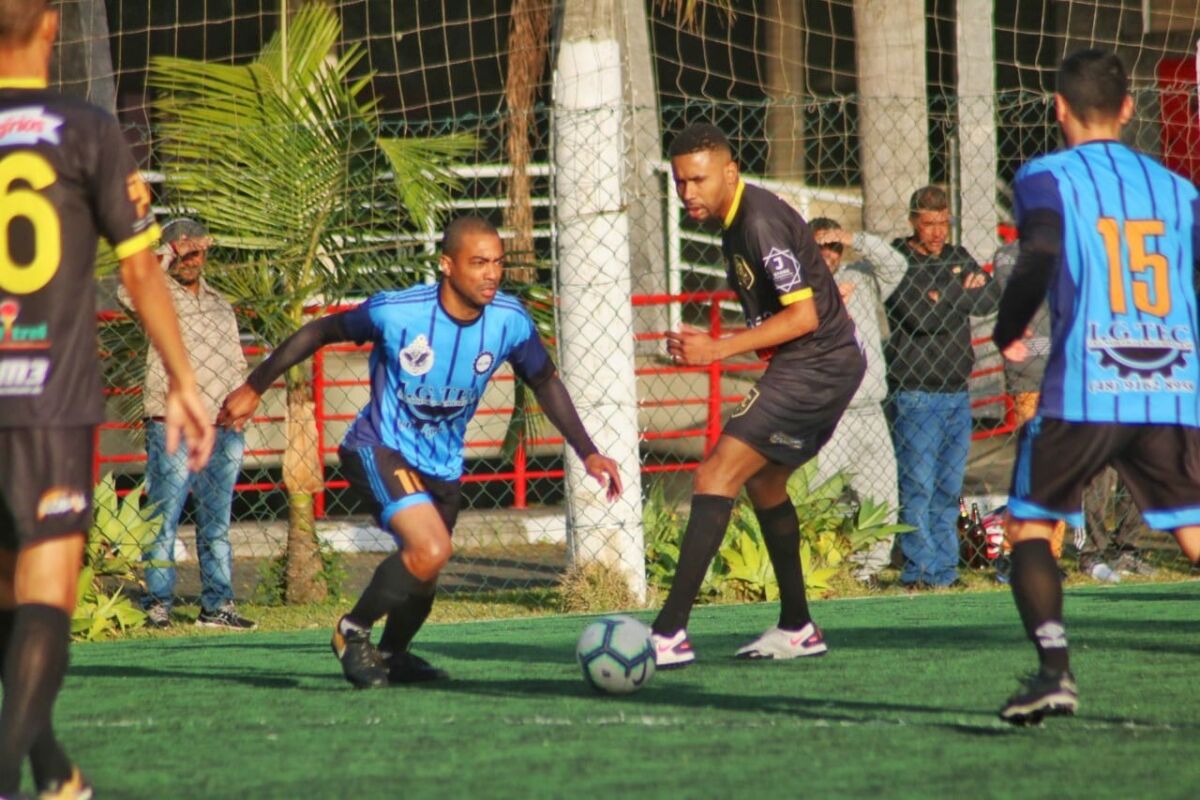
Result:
pixel 977 537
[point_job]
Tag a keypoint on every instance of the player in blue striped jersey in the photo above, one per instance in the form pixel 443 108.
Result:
pixel 1112 237
pixel 435 348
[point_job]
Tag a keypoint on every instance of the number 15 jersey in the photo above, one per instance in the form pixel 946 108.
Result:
pixel 66 177
pixel 1123 299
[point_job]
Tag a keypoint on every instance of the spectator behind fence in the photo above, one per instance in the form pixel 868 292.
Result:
pixel 1100 545
pixel 210 333
pixel 861 446
pixel 929 359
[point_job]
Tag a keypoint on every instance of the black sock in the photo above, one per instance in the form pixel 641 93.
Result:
pixel 390 586
pixel 705 531
pixel 1037 589
pixel 404 621
pixel 49 761
pixel 781 535
pixel 34 664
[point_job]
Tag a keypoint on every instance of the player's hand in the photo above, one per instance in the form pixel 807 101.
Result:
pixel 974 280
pixel 1016 352
pixel 238 407
pixel 604 470
pixel 692 347
pixel 831 235
pixel 186 419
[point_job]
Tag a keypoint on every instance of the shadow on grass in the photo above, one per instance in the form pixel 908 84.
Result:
pixel 124 671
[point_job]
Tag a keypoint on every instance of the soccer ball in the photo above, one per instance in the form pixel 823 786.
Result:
pixel 616 654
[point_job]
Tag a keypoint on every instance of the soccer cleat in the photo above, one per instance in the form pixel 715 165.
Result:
pixel 225 617
pixel 158 616
pixel 672 652
pixel 781 644
pixel 1042 694
pixel 76 787
pixel 405 667
pixel 361 663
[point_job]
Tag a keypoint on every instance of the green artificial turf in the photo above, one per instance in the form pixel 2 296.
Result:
pixel 902 706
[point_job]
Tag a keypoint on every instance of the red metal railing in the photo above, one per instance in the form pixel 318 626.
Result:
pixel 521 473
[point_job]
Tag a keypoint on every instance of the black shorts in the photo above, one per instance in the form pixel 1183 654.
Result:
pixel 387 483
pixel 45 483
pixel 1056 460
pixel 792 411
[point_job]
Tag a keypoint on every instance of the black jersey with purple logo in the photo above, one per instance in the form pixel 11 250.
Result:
pixel 772 261
pixel 66 178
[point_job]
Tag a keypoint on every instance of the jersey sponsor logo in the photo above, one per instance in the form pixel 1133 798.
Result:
pixel 483 362
pixel 1144 355
pixel 784 270
pixel 417 358
pixel 436 403
pixel 745 275
pixel 20 337
pixel 28 125
pixel 60 500
pixel 23 376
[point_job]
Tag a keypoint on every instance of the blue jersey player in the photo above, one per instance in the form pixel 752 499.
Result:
pixel 1111 236
pixel 435 348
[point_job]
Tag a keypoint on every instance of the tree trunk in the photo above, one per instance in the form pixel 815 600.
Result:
pixel 302 476
pixel 528 37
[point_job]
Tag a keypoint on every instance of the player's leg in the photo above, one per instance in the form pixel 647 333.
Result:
pixel 795 635
pixel 716 482
pixel 212 489
pixel 35 660
pixel 404 621
pixel 1161 471
pixel 1055 460
pixel 167 484
pixel 397 497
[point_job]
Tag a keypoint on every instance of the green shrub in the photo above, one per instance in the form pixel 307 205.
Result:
pixel 121 531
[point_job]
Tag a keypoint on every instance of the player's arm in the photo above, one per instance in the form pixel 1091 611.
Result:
pixel 242 402
pixel 185 415
pixel 1040 232
pixel 695 347
pixel 533 365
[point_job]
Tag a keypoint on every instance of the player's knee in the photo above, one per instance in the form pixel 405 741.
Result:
pixel 426 560
pixel 711 478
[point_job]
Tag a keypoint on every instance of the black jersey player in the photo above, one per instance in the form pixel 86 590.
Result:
pixel 66 176
pixel 796 318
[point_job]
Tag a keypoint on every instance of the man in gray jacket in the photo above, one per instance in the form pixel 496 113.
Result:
pixel 861 446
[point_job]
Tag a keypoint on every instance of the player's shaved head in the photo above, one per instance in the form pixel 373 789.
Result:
pixel 19 20
pixel 1094 83
pixel 460 228
pixel 700 138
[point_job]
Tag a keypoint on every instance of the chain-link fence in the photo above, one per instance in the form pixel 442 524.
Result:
pixel 612 261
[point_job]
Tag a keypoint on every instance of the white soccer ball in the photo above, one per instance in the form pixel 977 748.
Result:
pixel 616 654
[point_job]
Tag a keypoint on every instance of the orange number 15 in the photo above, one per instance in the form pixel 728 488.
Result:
pixel 1151 293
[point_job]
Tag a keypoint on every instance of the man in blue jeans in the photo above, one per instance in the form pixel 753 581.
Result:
pixel 929 359
pixel 210 334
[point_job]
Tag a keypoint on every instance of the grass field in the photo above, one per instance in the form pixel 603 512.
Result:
pixel 903 706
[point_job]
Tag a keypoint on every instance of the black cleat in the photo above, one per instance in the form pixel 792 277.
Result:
pixel 405 667
pixel 225 617
pixel 361 662
pixel 1043 694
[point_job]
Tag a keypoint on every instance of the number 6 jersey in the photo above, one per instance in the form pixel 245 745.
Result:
pixel 66 177
pixel 1122 293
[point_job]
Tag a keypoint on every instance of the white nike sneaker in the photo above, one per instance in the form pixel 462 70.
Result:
pixel 671 652
pixel 778 643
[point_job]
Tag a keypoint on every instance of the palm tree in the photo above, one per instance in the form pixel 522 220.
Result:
pixel 282 160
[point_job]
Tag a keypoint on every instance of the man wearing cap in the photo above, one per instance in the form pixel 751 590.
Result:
pixel 210 334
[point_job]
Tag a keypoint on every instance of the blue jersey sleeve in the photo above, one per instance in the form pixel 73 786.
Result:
pixel 359 323
pixel 1036 190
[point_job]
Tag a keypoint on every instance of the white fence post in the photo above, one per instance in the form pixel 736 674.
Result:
pixel 596 345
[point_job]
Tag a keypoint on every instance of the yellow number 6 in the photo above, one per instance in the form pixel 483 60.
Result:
pixel 35 171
